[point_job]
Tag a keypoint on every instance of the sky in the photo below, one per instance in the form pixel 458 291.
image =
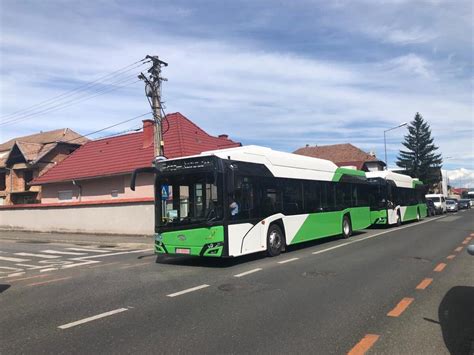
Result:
pixel 281 74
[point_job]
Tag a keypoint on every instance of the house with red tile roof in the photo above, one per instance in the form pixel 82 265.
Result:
pixel 344 155
pixel 24 158
pixel 100 170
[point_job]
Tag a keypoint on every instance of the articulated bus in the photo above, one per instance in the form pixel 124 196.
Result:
pixel 237 201
pixel 395 198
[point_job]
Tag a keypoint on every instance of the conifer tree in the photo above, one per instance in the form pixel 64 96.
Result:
pixel 420 160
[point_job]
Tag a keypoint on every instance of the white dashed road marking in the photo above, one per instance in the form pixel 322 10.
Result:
pixel 248 272
pixel 33 267
pixel 16 274
pixel 44 256
pixel 89 250
pixel 90 319
pixel 49 269
pixel 112 254
pixel 287 260
pixel 62 252
pixel 192 289
pixel 15 260
pixel 80 264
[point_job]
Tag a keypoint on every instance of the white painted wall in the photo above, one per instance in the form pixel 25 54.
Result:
pixel 132 219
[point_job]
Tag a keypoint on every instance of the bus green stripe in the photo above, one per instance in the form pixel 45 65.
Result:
pixel 326 224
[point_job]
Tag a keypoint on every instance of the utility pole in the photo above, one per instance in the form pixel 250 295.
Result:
pixel 153 92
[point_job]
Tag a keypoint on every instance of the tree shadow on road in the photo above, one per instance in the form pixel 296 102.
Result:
pixel 456 317
pixel 4 287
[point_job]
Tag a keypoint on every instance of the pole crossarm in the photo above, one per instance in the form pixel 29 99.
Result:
pixel 153 82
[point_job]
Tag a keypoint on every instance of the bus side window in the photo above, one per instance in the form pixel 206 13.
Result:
pixel 292 197
pixel 312 196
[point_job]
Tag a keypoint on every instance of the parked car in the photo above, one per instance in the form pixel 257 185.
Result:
pixel 451 206
pixel 431 208
pixel 439 202
pixel 464 204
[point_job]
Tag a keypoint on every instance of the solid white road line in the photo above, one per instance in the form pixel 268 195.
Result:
pixel 287 261
pixel 62 252
pixel 89 250
pixel 248 272
pixel 192 289
pixel 15 260
pixel 90 319
pixel 44 256
pixel 112 254
pixel 374 235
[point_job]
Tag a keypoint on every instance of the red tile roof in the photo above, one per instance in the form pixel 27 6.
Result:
pixel 123 154
pixel 58 135
pixel 340 154
pixel 337 153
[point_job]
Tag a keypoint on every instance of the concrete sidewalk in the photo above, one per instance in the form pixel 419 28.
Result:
pixel 80 239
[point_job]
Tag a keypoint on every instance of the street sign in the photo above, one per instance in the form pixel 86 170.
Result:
pixel 164 192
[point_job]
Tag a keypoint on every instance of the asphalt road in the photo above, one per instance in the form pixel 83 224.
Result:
pixel 326 297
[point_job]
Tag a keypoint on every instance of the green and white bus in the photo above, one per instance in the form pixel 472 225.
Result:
pixel 395 198
pixel 237 201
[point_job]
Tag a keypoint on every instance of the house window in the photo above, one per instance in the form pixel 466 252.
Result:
pixel 2 181
pixel 114 193
pixel 65 195
pixel 27 177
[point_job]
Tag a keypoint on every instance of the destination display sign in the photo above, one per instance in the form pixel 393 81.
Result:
pixel 193 164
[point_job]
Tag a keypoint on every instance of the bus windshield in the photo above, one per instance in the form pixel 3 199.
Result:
pixel 188 199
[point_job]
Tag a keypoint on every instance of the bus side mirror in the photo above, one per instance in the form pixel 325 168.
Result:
pixel 470 249
pixel 139 171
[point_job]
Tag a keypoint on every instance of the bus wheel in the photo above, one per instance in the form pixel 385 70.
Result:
pixel 346 227
pixel 418 217
pixel 274 240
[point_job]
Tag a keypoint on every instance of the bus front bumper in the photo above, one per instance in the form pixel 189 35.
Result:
pixel 211 249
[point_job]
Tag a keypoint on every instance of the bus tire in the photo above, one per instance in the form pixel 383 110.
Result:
pixel 274 240
pixel 418 215
pixel 346 227
pixel 399 219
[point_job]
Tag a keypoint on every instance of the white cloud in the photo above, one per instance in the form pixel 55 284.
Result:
pixel 461 178
pixel 258 95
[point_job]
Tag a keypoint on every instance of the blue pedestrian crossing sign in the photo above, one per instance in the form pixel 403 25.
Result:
pixel 164 192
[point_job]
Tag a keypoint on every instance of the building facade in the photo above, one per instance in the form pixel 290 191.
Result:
pixel 100 171
pixel 26 158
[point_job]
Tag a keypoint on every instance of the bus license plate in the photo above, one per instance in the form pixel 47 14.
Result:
pixel 182 251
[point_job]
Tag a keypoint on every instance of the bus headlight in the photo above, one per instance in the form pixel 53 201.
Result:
pixel 158 238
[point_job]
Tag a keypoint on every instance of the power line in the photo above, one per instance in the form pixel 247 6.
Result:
pixel 63 105
pixel 101 130
pixel 108 127
pixel 83 87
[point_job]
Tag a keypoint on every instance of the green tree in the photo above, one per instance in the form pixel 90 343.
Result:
pixel 420 160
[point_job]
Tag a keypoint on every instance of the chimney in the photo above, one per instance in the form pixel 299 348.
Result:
pixel 223 136
pixel 148 133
